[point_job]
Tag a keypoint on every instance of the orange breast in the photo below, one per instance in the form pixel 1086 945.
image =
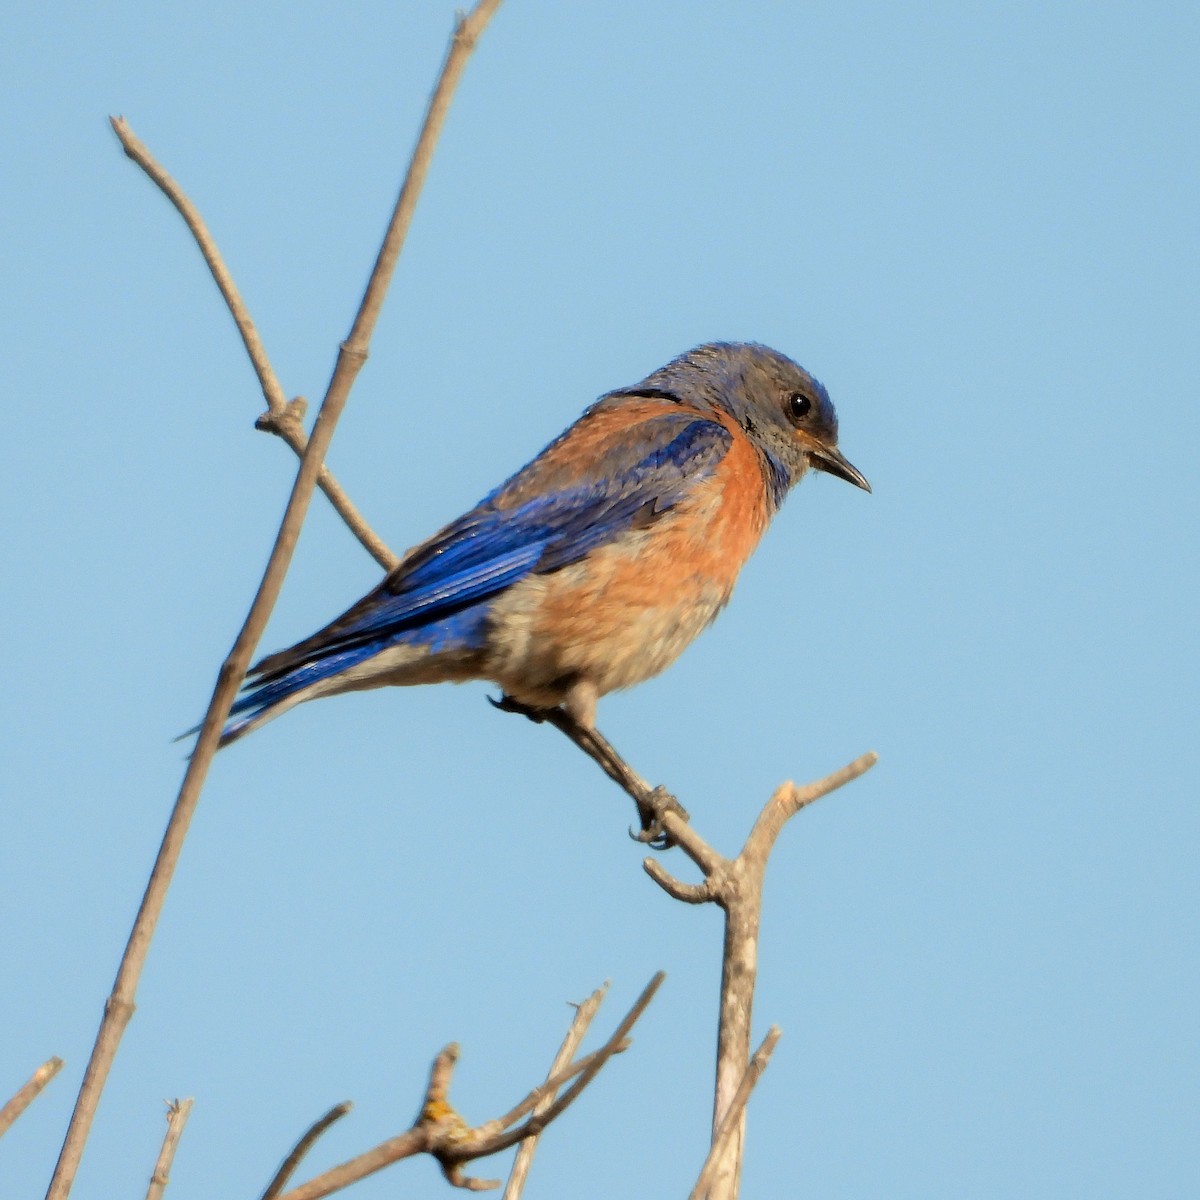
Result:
pixel 629 609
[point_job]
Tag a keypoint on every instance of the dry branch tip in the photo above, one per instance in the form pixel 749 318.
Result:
pixel 29 1091
pixel 689 893
pixel 178 1112
pixel 288 1167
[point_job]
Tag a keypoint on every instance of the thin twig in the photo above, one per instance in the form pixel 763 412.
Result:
pixel 178 1112
pixel 584 1015
pixel 789 799
pixel 539 1101
pixel 29 1092
pixel 754 1069
pixel 288 1167
pixel 466 33
pixel 440 1131
pixel 351 356
pixel 412 1141
pixel 689 893
pixel 282 417
pixel 594 1062
pixel 135 149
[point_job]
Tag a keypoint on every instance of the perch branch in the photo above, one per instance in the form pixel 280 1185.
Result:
pixel 442 1133
pixel 29 1092
pixel 351 356
pixel 178 1112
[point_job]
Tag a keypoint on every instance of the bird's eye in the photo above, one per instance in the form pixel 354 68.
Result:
pixel 798 406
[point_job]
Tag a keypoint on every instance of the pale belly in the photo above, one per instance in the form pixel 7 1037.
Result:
pixel 620 617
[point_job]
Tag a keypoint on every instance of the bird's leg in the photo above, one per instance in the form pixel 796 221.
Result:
pixel 652 802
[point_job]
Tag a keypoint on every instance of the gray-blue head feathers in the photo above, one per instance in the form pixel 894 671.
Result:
pixel 784 411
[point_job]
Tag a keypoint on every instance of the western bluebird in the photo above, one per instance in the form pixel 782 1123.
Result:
pixel 593 567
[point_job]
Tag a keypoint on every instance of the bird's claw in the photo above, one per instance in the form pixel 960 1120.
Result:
pixel 507 704
pixel 653 836
pixel 652 833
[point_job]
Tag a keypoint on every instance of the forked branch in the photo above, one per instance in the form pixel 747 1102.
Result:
pixel 351 356
pixel 441 1132
pixel 584 1015
pixel 736 885
pixel 754 1069
pixel 283 417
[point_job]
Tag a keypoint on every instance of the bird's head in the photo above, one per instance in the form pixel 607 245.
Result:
pixel 780 406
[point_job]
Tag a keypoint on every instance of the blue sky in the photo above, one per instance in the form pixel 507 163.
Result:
pixel 977 225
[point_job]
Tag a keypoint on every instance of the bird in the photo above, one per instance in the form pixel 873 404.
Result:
pixel 595 565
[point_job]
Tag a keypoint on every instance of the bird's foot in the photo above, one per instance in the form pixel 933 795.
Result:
pixel 508 704
pixel 652 811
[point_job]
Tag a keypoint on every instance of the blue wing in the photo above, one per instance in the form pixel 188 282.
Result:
pixel 563 505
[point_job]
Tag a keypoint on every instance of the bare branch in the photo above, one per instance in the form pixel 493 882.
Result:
pixel 689 893
pixel 440 1130
pixel 178 1112
pixel 541 1097
pixel 739 892
pixel 288 1168
pixel 413 1141
pixel 351 356
pixel 736 885
pixel 594 1062
pixel 288 427
pixel 788 800
pixel 754 1070
pixel 282 417
pixel 136 150
pixel 584 1015
pixel 457 1177
pixel 29 1092
pixel 679 833
pixel 466 33
pixel 457 1144
pixel 592 743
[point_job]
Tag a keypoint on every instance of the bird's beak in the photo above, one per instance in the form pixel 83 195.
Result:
pixel 833 462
